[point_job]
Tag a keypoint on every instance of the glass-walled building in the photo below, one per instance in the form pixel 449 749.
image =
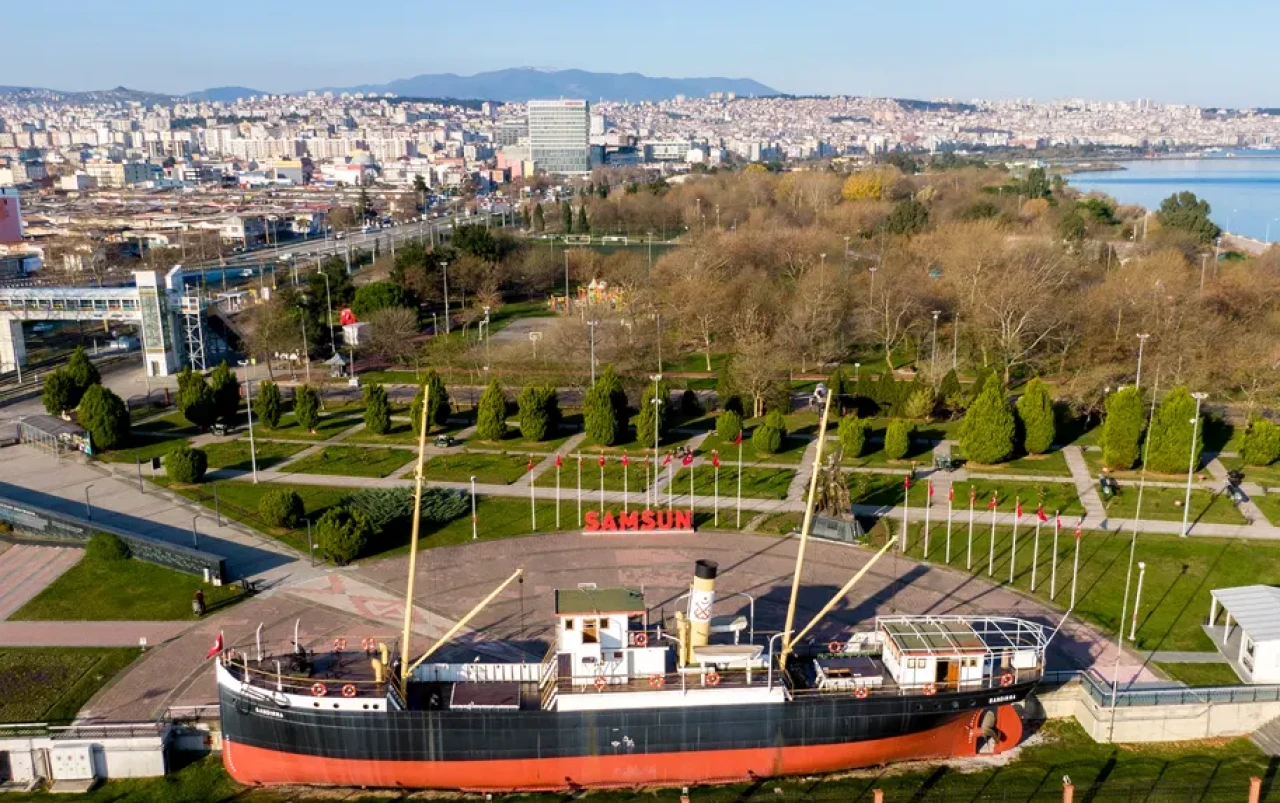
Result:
pixel 558 135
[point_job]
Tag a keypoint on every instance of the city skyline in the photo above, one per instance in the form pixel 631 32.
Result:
pixel 1100 52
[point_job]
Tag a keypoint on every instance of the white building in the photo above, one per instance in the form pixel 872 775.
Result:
pixel 559 134
pixel 1249 635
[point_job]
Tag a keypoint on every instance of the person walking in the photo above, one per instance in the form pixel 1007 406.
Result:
pixel 197 604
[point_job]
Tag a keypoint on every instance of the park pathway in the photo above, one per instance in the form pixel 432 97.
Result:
pixel 26 570
pixel 1250 510
pixel 1094 511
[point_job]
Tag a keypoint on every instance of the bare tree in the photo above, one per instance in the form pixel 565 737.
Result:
pixel 392 332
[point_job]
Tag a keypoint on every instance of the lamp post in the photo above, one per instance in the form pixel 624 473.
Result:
pixel 657 411
pixel 248 403
pixel 474 533
pixel 1137 601
pixel 871 291
pixel 1142 342
pixel 444 270
pixel 88 509
pixel 566 276
pixel 955 342
pixel 933 360
pixel 195 536
pixel 1191 463
pixel 485 324
pixel 857 371
pixel 328 312
pixel 591 329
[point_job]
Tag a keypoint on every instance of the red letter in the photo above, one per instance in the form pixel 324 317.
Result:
pixel 664 519
pixel 609 522
pixel 629 521
pixel 646 519
pixel 593 521
pixel 684 520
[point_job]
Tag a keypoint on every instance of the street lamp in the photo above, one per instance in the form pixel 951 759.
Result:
pixel 857 371
pixel 1137 600
pixel 591 326
pixel 474 533
pixel 487 331
pixel 444 269
pixel 955 341
pixel 871 292
pixel 657 411
pixel 1191 464
pixel 248 403
pixel 933 361
pixel 88 509
pixel 195 536
pixel 328 300
pixel 1142 341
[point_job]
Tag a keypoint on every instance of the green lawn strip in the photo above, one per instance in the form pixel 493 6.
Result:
pixel 1165 504
pixel 400 434
pixel 513 442
pixel 330 426
pixel 929 431
pixel 502 469
pixel 887 490
pixel 174 423
pixel 353 461
pixel 779 523
pixel 126 590
pixel 1175 595
pixel 627 442
pixel 1094 461
pixel 143 447
pixel 1269 504
pixel 616 476
pixel 1266 476
pixel 238 500
pixel 51 684
pixel 792 450
pixel 757 483
pixel 234 454
pixel 1198 674
pixel 873 456
pixel 1052 464
pixel 496 518
pixel 1210 770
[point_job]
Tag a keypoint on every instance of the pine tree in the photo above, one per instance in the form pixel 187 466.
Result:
pixel 539 220
pixel 583 228
pixel 566 217
pixel 897 439
pixel 226 392
pixel 728 396
pixel 60 393
pixel 949 389
pixel 1035 410
pixel 1122 429
pixel 491 413
pixel 105 416
pixel 306 407
pixel 1261 443
pixel 438 415
pixel 377 409
pixel 989 427
pixel 649 413
pixel 539 412
pixel 268 405
pixel 852 432
pixel 617 396
pixel 196 401
pixel 728 425
pixel 600 416
pixel 1170 434
pixel 82 371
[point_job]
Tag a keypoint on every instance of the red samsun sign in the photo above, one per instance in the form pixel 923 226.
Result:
pixel 638 521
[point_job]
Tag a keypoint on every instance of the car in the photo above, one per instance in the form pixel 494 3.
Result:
pixel 42 327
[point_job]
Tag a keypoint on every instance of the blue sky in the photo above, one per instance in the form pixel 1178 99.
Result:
pixel 1173 51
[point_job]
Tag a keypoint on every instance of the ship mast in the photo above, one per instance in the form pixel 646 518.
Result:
pixel 413 539
pixel 805 529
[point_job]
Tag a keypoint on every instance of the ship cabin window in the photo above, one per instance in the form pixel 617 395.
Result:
pixel 568 623
pixel 590 631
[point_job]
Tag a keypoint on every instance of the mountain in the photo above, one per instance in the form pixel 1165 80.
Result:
pixel 224 94
pixel 32 94
pixel 527 83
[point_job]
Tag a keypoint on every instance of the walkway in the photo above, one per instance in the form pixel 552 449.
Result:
pixel 88 634
pixel 1086 490
pixel 26 570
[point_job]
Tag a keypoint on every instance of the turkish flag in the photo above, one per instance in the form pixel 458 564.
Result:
pixel 216 648
pixel 737 439
pixel 992 504
pixel 951 494
pixel 601 461
pixel 1019 509
pixel 531 464
pixel 1079 524
pixel 906 482
pixel 715 458
pixel 666 459
pixel 688 459
pixel 1040 514
pixel 559 462
pixel 930 484
pixel 973 495
pixel 1057 521
pixel 626 460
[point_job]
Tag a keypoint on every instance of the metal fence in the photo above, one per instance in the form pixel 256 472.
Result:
pixel 1100 693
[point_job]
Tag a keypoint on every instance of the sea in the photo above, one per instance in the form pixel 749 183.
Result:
pixel 1242 187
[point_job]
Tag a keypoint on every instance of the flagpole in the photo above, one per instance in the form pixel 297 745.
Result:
pixel 1053 566
pixel 648 486
pixel 1013 550
pixel 906 512
pixel 671 489
pixel 991 561
pixel 690 486
pixel 716 503
pixel 739 480
pixel 557 492
pixel 533 503
pixel 1035 557
pixel 951 509
pixel 626 492
pixel 579 489
pixel 968 561
pixel 602 487
pixel 928 506
pixel 1075 571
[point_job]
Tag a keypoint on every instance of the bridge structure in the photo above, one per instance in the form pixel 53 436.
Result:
pixel 170 317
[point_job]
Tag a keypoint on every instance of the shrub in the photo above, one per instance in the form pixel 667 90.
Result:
pixel 897 439
pixel 852 432
pixel 1122 429
pixel 438 414
pixel 185 464
pixel 342 534
pixel 987 433
pixel 196 401
pixel 539 412
pixel 919 404
pixel 1170 434
pixel 617 396
pixel 106 547
pixel 384 507
pixel 728 424
pixel 690 405
pixel 949 388
pixel 105 416
pixel 60 393
pixel 1035 411
pixel 281 508
pixel 600 416
pixel 226 392
pixel 766 439
pixel 1261 444
pixel 491 413
pixel 306 407
pixel 268 405
pixel 728 397
pixel 377 409
pixel 377 296
pixel 652 421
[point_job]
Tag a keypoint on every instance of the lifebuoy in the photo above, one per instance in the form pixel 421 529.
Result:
pixel 641 640
pixel 1006 679
pixel 368 644
pixel 319 690
pixel 835 646
pixel 349 690
pixel 656 681
pixel 930 689
pixel 339 644
pixel 713 679
pixel 601 681
pixel 861 693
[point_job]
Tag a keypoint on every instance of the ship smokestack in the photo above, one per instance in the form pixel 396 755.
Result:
pixel 701 597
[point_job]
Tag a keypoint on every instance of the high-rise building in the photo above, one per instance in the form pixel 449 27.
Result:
pixel 10 216
pixel 558 135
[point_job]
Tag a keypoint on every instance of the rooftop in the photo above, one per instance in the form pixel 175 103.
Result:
pixel 953 634
pixel 576 601
pixel 1254 608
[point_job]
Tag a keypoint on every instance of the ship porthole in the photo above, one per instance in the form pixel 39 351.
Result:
pixel 366 706
pixel 335 705
pixel 375 706
pixel 317 705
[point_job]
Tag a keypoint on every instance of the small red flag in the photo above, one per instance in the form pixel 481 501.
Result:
pixel 531 464
pixel 666 459
pixel 973 494
pixel 906 482
pixel 951 494
pixel 992 504
pixel 1057 521
pixel 626 460
pixel 688 459
pixel 1078 525
pixel 1040 514
pixel 1019 510
pixel 602 461
pixel 715 458
pixel 737 439
pixel 930 484
pixel 559 462
pixel 216 648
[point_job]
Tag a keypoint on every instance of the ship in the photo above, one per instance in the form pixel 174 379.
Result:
pixel 621 699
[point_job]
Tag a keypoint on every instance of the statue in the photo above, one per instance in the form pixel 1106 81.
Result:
pixel 833 491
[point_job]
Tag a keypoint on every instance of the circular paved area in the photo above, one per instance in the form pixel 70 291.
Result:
pixel 452 580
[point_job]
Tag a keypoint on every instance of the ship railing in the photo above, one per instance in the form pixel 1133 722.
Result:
pixel 273 679
pixel 688 680
pixel 888 687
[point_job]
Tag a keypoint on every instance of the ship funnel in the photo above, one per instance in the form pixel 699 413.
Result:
pixel 701 597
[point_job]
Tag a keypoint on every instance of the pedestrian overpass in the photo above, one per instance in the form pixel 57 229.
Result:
pixel 170 321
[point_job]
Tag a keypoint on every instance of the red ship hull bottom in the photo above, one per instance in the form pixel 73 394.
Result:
pixel 260 766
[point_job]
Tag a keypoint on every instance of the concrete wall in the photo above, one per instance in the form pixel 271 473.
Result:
pixel 113 756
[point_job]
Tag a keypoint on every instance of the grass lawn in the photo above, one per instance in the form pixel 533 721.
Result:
pixel 330 426
pixel 353 461
pixel 143 447
pixel 1175 595
pixel 627 441
pixel 1166 504
pixel 757 483
pixel 234 454
pixel 873 455
pixel 1266 476
pixel 50 684
pixel 780 523
pixel 886 490
pixel 1094 460
pixel 616 478
pixel 792 450
pixel 1216 770
pixel 1197 674
pixel 502 469
pixel 1052 463
pixel 1269 504
pixel 173 423
pixel 513 442
pixel 496 517
pixel 126 590
pixel 239 500
pixel 401 433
